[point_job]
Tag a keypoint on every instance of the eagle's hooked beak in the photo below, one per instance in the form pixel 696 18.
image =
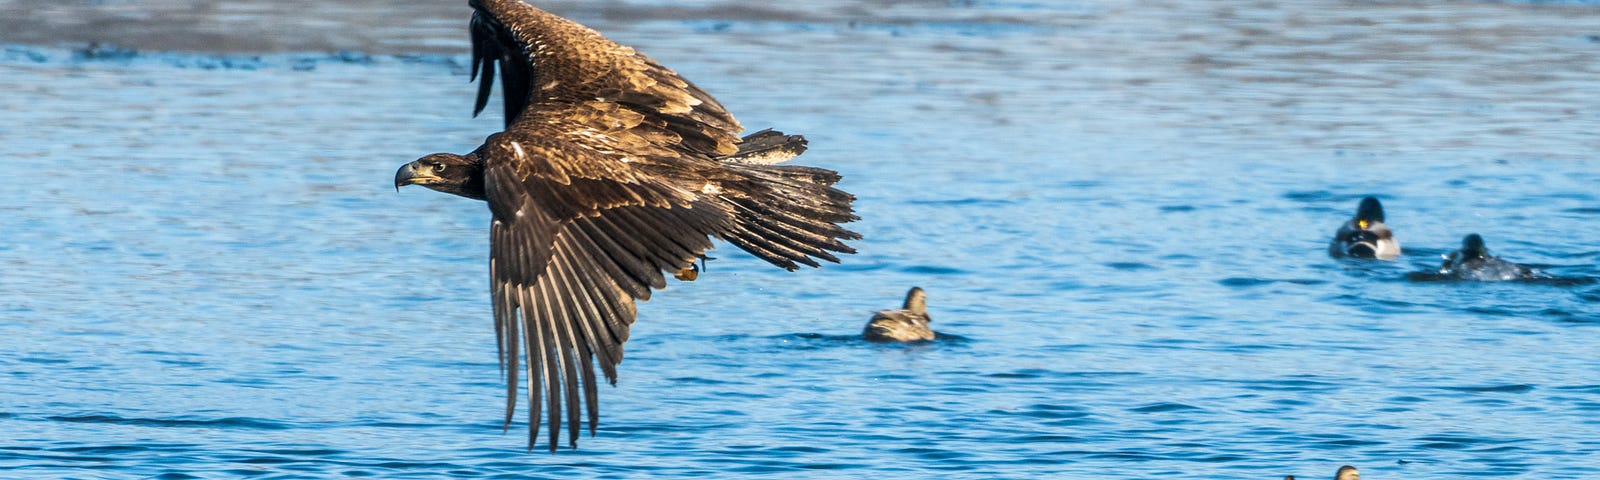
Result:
pixel 414 173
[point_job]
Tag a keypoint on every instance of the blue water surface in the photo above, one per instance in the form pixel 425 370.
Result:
pixel 1119 210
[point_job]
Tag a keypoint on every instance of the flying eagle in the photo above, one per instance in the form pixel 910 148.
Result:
pixel 611 170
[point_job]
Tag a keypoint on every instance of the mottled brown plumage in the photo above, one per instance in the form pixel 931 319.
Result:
pixel 1347 473
pixel 611 170
pixel 572 63
pixel 907 324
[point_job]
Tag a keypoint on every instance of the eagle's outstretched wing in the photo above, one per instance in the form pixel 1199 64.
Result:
pixel 544 58
pixel 588 211
pixel 577 235
pixel 612 170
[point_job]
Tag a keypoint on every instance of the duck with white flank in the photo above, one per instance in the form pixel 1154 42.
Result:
pixel 1365 236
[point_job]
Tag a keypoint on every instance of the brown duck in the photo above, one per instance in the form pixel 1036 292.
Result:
pixel 908 324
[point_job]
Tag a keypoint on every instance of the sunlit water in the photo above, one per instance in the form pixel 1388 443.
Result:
pixel 1119 210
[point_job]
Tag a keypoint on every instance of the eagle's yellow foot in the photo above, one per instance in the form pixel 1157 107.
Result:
pixel 693 272
pixel 688 274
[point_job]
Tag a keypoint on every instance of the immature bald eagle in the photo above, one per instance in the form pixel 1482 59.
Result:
pixel 611 170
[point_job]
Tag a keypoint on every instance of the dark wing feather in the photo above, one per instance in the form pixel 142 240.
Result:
pixel 492 45
pixel 545 58
pixel 577 237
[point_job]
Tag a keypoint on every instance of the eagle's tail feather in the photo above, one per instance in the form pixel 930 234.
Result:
pixel 789 214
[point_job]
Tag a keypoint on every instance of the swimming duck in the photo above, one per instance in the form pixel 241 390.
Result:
pixel 1345 473
pixel 1365 236
pixel 1473 262
pixel 908 324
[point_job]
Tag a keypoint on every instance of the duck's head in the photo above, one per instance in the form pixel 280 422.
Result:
pixel 1370 211
pixel 1472 247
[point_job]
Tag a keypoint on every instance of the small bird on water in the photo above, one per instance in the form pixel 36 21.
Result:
pixel 611 170
pixel 1365 236
pixel 1345 473
pixel 1473 262
pixel 908 324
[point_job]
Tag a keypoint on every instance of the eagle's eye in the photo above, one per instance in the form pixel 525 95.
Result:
pixel 438 167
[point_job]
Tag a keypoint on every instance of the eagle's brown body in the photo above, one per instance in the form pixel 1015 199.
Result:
pixel 611 170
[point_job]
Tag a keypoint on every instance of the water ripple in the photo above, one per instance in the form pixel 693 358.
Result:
pixel 224 423
pixel 1120 212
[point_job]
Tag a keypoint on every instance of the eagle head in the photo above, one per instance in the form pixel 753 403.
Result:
pixel 445 172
